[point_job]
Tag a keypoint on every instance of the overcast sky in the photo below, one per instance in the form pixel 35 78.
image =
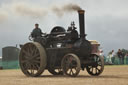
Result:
pixel 106 20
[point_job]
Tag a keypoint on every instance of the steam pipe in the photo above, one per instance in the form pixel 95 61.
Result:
pixel 81 23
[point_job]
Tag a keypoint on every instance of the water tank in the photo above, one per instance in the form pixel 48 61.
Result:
pixel 10 53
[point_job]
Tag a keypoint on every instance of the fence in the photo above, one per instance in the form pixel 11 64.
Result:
pixel 15 64
pixel 116 60
pixel 9 64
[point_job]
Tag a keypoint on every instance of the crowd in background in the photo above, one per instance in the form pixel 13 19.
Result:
pixel 120 57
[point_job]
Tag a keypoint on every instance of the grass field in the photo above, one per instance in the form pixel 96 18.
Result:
pixel 112 75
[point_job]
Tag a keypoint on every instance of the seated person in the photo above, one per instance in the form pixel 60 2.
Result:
pixel 36 32
pixel 73 32
pixel 37 35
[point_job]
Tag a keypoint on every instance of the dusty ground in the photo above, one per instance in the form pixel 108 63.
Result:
pixel 112 75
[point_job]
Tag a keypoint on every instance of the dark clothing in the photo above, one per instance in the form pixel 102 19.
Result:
pixel 119 53
pixel 69 29
pixel 36 33
pixel 121 57
pixel 74 35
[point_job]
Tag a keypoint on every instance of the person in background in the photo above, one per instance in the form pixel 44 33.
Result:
pixel 119 54
pixel 101 52
pixel 123 56
pixel 127 58
pixel 110 56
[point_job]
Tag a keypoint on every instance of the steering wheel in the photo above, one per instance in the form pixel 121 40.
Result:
pixel 30 38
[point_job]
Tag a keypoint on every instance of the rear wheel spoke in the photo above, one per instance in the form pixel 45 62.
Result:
pixel 36 61
pixel 25 53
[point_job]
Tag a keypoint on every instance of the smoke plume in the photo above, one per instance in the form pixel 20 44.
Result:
pixel 3 16
pixel 25 9
pixel 71 7
pixel 35 11
pixel 59 11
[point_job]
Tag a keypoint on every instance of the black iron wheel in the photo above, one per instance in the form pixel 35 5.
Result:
pixel 98 66
pixel 32 59
pixel 57 71
pixel 71 65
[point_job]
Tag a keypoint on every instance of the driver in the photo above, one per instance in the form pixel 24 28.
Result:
pixel 36 32
pixel 74 34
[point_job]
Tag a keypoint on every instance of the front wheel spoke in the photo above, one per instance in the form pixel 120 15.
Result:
pixel 95 71
pixel 75 68
pixel 70 71
pixel 31 71
pixel 89 67
pixel 59 70
pixel 92 69
pixel 66 61
pixel 99 64
pixel 98 69
pixel 66 68
pixel 66 64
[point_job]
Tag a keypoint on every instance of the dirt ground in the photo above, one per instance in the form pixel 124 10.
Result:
pixel 112 75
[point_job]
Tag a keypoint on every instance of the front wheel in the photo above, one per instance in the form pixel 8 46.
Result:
pixel 97 67
pixel 71 65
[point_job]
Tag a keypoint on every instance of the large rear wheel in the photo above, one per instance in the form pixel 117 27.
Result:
pixel 32 59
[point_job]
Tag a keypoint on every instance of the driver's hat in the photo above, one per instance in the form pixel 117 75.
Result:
pixel 36 24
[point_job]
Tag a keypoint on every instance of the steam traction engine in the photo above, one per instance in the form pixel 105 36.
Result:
pixel 61 52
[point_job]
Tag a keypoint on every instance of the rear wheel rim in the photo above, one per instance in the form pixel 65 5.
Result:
pixel 32 59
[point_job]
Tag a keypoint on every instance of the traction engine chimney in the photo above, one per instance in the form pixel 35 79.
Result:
pixel 81 24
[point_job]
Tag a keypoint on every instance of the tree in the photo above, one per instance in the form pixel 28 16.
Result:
pixel 125 51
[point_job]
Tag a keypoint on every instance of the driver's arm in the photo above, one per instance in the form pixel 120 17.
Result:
pixel 41 32
pixel 32 34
